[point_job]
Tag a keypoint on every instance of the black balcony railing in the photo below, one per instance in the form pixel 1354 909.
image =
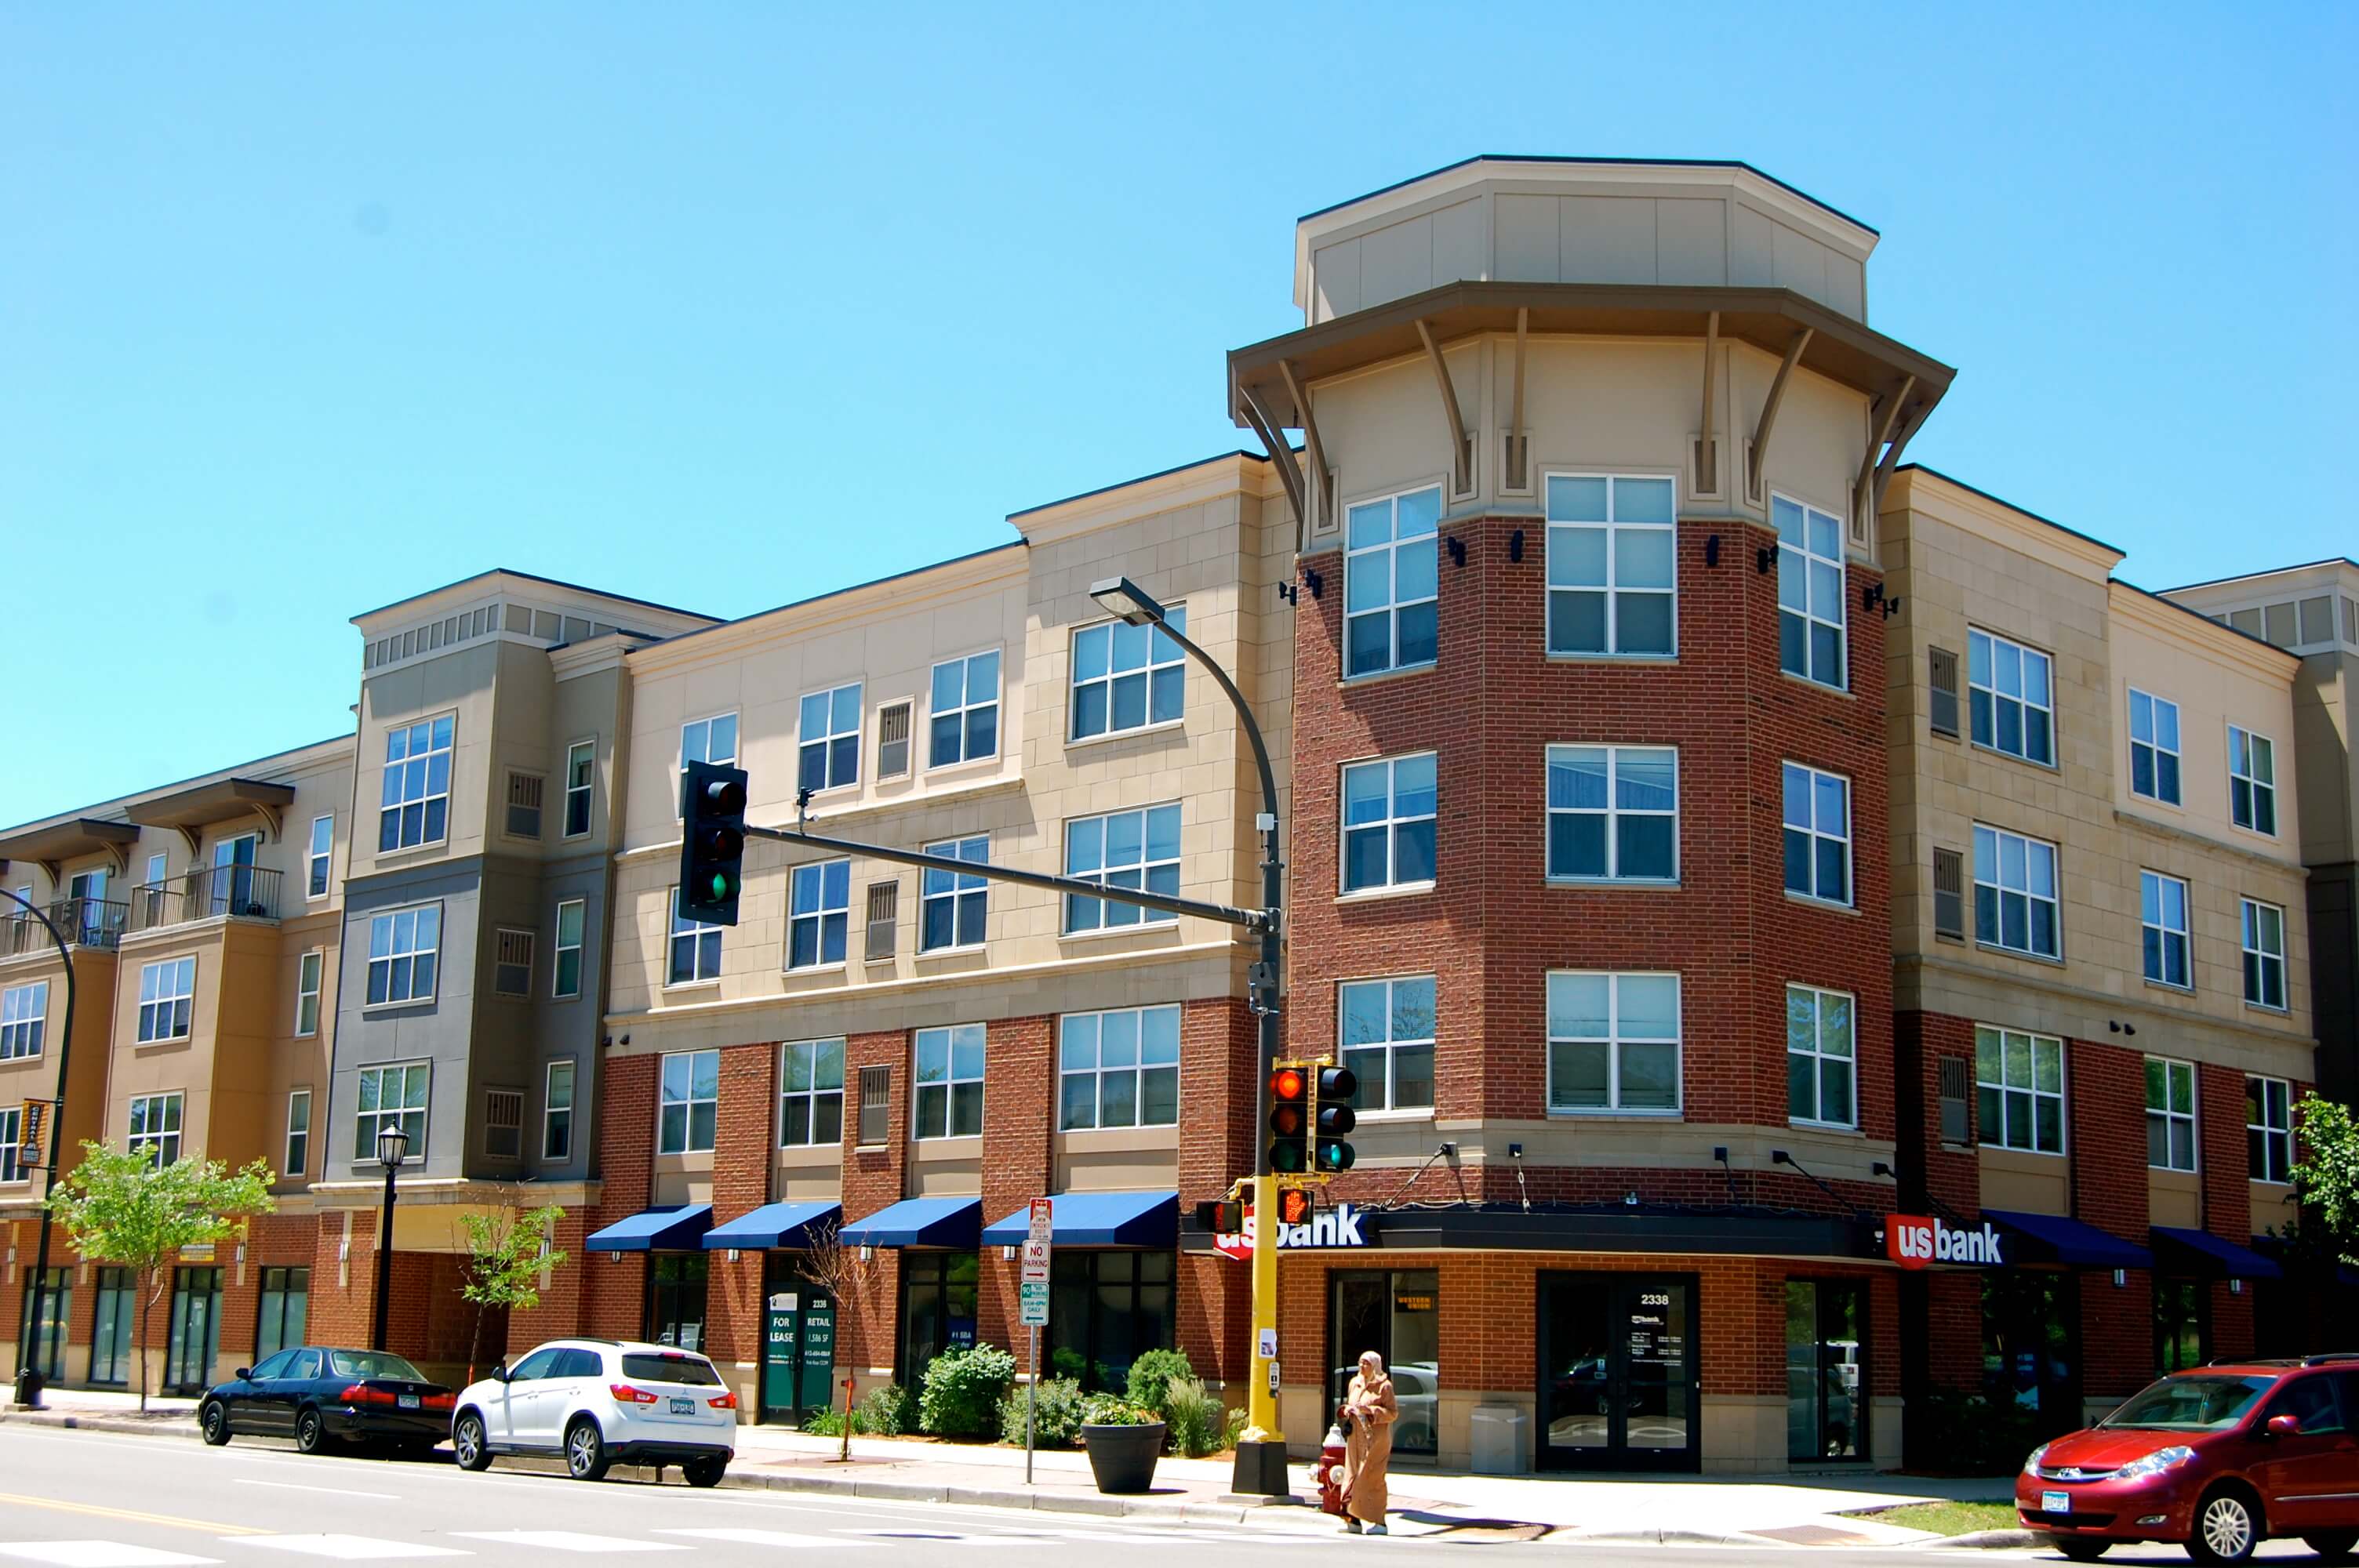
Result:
pixel 83 922
pixel 250 892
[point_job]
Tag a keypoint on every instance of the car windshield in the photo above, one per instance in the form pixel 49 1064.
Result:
pixel 372 1364
pixel 2209 1402
pixel 692 1369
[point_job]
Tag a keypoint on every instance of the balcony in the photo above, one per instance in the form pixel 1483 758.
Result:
pixel 83 922
pixel 250 892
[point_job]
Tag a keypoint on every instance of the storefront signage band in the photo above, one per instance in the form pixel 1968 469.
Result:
pixel 1343 1225
pixel 1913 1241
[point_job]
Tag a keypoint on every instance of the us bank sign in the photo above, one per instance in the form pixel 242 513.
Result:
pixel 1912 1241
pixel 1343 1225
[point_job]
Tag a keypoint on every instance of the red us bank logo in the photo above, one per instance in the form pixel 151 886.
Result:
pixel 1912 1241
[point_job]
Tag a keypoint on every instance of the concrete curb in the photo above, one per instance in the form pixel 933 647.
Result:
pixel 1988 1539
pixel 133 1427
pixel 1096 1504
pixel 1665 1538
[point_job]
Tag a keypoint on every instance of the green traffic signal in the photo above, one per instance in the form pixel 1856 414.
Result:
pixel 712 842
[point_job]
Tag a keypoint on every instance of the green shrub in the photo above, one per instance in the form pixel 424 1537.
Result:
pixel 1153 1373
pixel 1058 1422
pixel 1234 1427
pixel 826 1423
pixel 883 1411
pixel 963 1391
pixel 1199 1421
pixel 1105 1410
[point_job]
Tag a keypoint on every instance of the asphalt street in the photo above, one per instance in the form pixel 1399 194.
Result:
pixel 71 1500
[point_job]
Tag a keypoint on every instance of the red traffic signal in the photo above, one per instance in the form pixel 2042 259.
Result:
pixel 1289 1119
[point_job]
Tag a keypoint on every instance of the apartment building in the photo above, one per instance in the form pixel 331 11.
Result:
pixel 2101 960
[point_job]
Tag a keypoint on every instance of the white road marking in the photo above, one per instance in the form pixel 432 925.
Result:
pixel 566 1541
pixel 942 1537
pixel 766 1537
pixel 299 1486
pixel 354 1548
pixel 99 1554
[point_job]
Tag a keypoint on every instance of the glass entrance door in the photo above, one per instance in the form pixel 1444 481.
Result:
pixel 233 875
pixel 798 1350
pixel 195 1340
pixel 1618 1388
pixel 1826 1371
pixel 109 1339
pixel 50 1335
pixel 1396 1313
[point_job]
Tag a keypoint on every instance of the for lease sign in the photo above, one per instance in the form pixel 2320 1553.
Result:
pixel 1914 1241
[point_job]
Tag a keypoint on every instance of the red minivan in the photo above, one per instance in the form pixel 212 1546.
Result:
pixel 2217 1459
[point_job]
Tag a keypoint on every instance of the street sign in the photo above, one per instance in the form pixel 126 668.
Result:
pixel 32 1134
pixel 1032 1286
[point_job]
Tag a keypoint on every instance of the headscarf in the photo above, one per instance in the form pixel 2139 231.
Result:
pixel 1369 1359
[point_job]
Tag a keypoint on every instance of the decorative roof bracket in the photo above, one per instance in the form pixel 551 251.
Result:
pixel 1462 479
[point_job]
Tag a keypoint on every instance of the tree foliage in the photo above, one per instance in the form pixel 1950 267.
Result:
pixel 2326 1178
pixel 508 1252
pixel 120 1207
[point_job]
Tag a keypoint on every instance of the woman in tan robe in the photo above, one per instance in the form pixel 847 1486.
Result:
pixel 1369 1446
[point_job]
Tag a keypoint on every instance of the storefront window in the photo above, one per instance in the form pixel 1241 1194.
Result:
pixel 2030 1357
pixel 110 1341
pixel 1104 1309
pixel 676 1300
pixel 937 1308
pixel 1395 1314
pixel 1826 1370
pixel 2181 1325
pixel 195 1341
pixel 286 1305
pixel 57 1307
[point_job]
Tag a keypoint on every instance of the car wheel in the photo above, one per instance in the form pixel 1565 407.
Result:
pixel 585 1450
pixel 2333 1545
pixel 310 1431
pixel 467 1445
pixel 2227 1528
pixel 214 1422
pixel 705 1472
pixel 2079 1548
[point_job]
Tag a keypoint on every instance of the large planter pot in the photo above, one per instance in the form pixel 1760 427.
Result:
pixel 1123 1457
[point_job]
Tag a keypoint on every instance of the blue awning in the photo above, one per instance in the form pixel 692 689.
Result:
pixel 919 1222
pixel 1099 1219
pixel 2213 1257
pixel 2053 1239
pixel 674 1229
pixel 773 1224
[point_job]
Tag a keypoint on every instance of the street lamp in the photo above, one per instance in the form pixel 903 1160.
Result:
pixel 1261 1451
pixel 30 1379
pixel 392 1148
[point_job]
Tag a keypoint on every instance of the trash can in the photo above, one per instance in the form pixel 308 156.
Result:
pixel 1500 1448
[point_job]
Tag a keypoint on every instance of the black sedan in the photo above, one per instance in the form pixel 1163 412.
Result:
pixel 319 1395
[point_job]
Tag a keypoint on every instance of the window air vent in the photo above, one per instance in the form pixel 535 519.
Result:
pixel 503 1123
pixel 875 1105
pixel 524 805
pixel 883 907
pixel 893 741
pixel 1955 1092
pixel 1942 710
pixel 512 963
pixel 1949 894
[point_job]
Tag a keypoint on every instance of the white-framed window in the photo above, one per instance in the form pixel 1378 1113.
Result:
pixel 2016 905
pixel 1614 813
pixel 1122 849
pixel 565 967
pixel 1817 834
pixel 394 1094
pixel 2011 690
pixel 1129 677
pixel 12 1138
pixel 404 946
pixel 964 719
pixel 1388 823
pixel 954 905
pixel 24 1018
pixel 316 860
pixel 1821 1057
pixel 2269 1129
pixel 811 1093
pixel 2264 964
pixel 820 914
pixel 413 806
pixel 581 785
pixel 828 739
pixel 688 1101
pixel 712 740
pixel 1386 1027
pixel 695 948
pixel 2154 747
pixel 1612 571
pixel 168 990
pixel 156 1126
pixel 2162 911
pixel 299 1133
pixel 2019 1089
pixel 1119 1068
pixel 310 972
pixel 948 1099
pixel 1613 1042
pixel 556 1114
pixel 1391 583
pixel 2252 780
pixel 1811 598
pixel 2169 1114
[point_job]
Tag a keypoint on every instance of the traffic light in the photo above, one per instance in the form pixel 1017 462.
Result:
pixel 712 842
pixel 1289 1119
pixel 1221 1218
pixel 1335 1117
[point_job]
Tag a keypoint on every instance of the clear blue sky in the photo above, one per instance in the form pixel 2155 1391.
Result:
pixel 307 308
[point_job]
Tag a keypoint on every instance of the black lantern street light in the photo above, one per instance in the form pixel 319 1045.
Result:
pixel 392 1148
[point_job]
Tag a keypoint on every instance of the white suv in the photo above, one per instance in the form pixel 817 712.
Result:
pixel 597 1401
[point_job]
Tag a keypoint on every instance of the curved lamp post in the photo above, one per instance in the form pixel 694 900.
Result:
pixel 30 1376
pixel 392 1148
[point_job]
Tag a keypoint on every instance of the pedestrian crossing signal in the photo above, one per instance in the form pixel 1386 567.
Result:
pixel 1294 1206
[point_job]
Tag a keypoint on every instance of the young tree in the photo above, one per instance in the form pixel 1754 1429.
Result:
pixel 506 1254
pixel 847 1278
pixel 120 1207
pixel 2326 1179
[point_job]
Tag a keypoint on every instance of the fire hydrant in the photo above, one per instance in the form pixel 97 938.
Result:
pixel 1330 1473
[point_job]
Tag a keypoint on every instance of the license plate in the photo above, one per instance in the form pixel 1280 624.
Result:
pixel 683 1407
pixel 2056 1502
pixel 405 1402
